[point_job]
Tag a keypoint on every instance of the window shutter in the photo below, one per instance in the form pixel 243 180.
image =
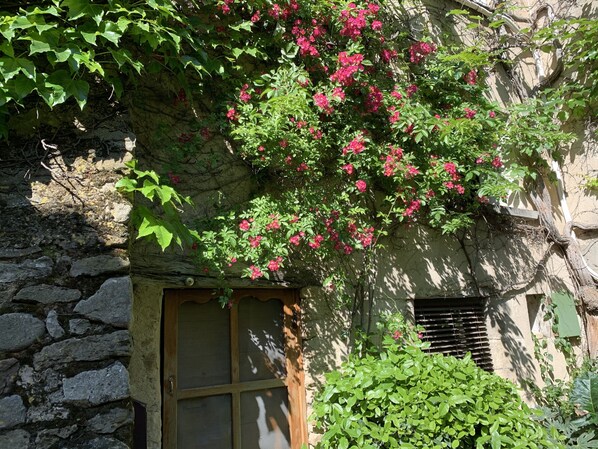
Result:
pixel 455 327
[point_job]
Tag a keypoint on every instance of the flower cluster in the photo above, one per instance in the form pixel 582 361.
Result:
pixel 354 20
pixel 419 51
pixel 349 65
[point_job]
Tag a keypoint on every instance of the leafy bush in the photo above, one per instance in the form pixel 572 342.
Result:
pixel 576 418
pixel 402 397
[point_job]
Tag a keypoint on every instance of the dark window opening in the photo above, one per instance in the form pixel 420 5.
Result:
pixel 455 327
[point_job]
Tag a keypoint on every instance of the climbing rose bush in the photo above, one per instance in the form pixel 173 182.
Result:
pixel 358 133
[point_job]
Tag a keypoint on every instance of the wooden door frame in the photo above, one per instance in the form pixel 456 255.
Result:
pixel 294 381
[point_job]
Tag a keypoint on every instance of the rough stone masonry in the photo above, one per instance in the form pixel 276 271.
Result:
pixel 65 298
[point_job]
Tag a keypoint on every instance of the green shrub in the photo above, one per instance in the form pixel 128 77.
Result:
pixel 401 397
pixel 571 407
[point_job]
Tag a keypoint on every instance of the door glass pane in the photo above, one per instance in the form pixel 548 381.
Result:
pixel 261 339
pixel 265 419
pixel 204 423
pixel 203 345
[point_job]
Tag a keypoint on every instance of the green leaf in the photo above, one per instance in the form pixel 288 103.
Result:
pixel 343 443
pixel 123 57
pixel 165 193
pixel 585 393
pixel 63 55
pixel 148 190
pixel 23 86
pixel 39 46
pixel 51 10
pixel 87 59
pixel 52 88
pixel 443 409
pixel 150 225
pixel 126 184
pixel 27 67
pixel 245 25
pixel 80 8
pixel 123 23
pixel 458 12
pixel 21 23
pixel 9 68
pixel 7 49
pixel 79 89
pixel 89 37
pixel 111 32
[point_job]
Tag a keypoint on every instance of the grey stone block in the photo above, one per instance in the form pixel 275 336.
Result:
pixel 103 443
pixel 16 439
pixel 110 421
pixel 46 412
pixel 8 375
pixel 93 266
pixel 95 347
pixel 111 304
pixel 53 326
pixel 48 294
pixel 19 330
pixel 13 272
pixel 12 412
pixel 10 253
pixel 79 326
pixel 97 387
pixel 48 437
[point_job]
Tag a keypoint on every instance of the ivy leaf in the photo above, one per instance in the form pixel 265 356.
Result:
pixel 79 89
pixel 39 46
pixel 9 68
pixel 194 62
pixel 87 59
pixel 21 23
pixel 80 8
pixel 165 193
pixel 51 10
pixel 27 67
pixel 52 89
pixel 245 25
pixel 63 55
pixel 123 57
pixel 150 225
pixel 89 37
pixel 7 32
pixel 126 185
pixel 458 12
pixel 123 23
pixel 111 32
pixel 41 25
pixel 23 86
pixel 6 48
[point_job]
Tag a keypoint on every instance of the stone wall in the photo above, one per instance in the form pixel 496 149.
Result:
pixel 65 292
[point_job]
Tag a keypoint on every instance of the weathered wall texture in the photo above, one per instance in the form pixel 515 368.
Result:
pixel 65 293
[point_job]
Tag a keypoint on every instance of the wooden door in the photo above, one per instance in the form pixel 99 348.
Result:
pixel 233 377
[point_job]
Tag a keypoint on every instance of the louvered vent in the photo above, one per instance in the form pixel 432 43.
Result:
pixel 455 327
